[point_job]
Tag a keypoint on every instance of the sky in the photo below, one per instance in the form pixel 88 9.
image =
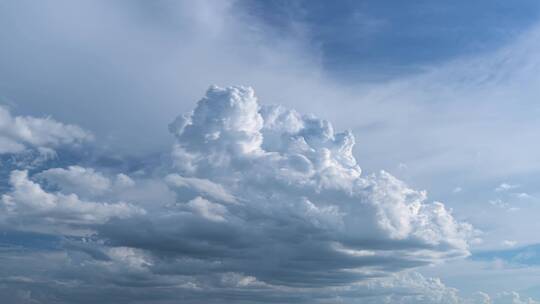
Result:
pixel 246 151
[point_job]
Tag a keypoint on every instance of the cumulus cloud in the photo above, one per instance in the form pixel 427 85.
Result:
pixel 511 297
pixel 77 179
pixel 18 133
pixel 84 181
pixel 272 194
pixel 30 205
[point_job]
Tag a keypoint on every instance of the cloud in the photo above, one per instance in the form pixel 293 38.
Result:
pixel 85 182
pixel 163 52
pixel 263 204
pixel 523 195
pixel 76 179
pixel 275 195
pixel 268 204
pixel 129 274
pixel 200 186
pixel 22 132
pixel 457 190
pixel 522 255
pixel 28 204
pixel 504 187
pixel 511 297
pixel 207 209
pixel 499 203
pixel 509 243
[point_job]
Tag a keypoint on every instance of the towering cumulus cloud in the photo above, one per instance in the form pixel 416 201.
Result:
pixel 278 196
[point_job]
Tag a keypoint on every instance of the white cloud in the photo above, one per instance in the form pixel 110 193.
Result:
pixel 21 132
pixel 509 243
pixel 503 205
pixel 229 138
pixel 523 195
pixel 504 187
pixel 77 179
pixel 208 210
pixel 512 297
pixel 123 181
pixel 28 204
pixel 412 287
pixel 86 182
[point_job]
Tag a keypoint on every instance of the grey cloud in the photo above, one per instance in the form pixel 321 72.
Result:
pixel 126 275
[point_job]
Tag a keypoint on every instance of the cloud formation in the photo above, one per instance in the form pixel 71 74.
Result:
pixel 28 204
pixel 262 204
pixel 278 196
pixel 18 133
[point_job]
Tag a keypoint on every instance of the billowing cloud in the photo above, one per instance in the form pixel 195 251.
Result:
pixel 17 133
pixel 275 195
pixel 29 205
pixel 84 181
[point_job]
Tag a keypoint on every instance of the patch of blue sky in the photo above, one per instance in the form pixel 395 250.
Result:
pixel 526 255
pixel 21 240
pixel 370 40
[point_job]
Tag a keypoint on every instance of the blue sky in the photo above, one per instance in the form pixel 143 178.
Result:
pixel 370 40
pixel 137 162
